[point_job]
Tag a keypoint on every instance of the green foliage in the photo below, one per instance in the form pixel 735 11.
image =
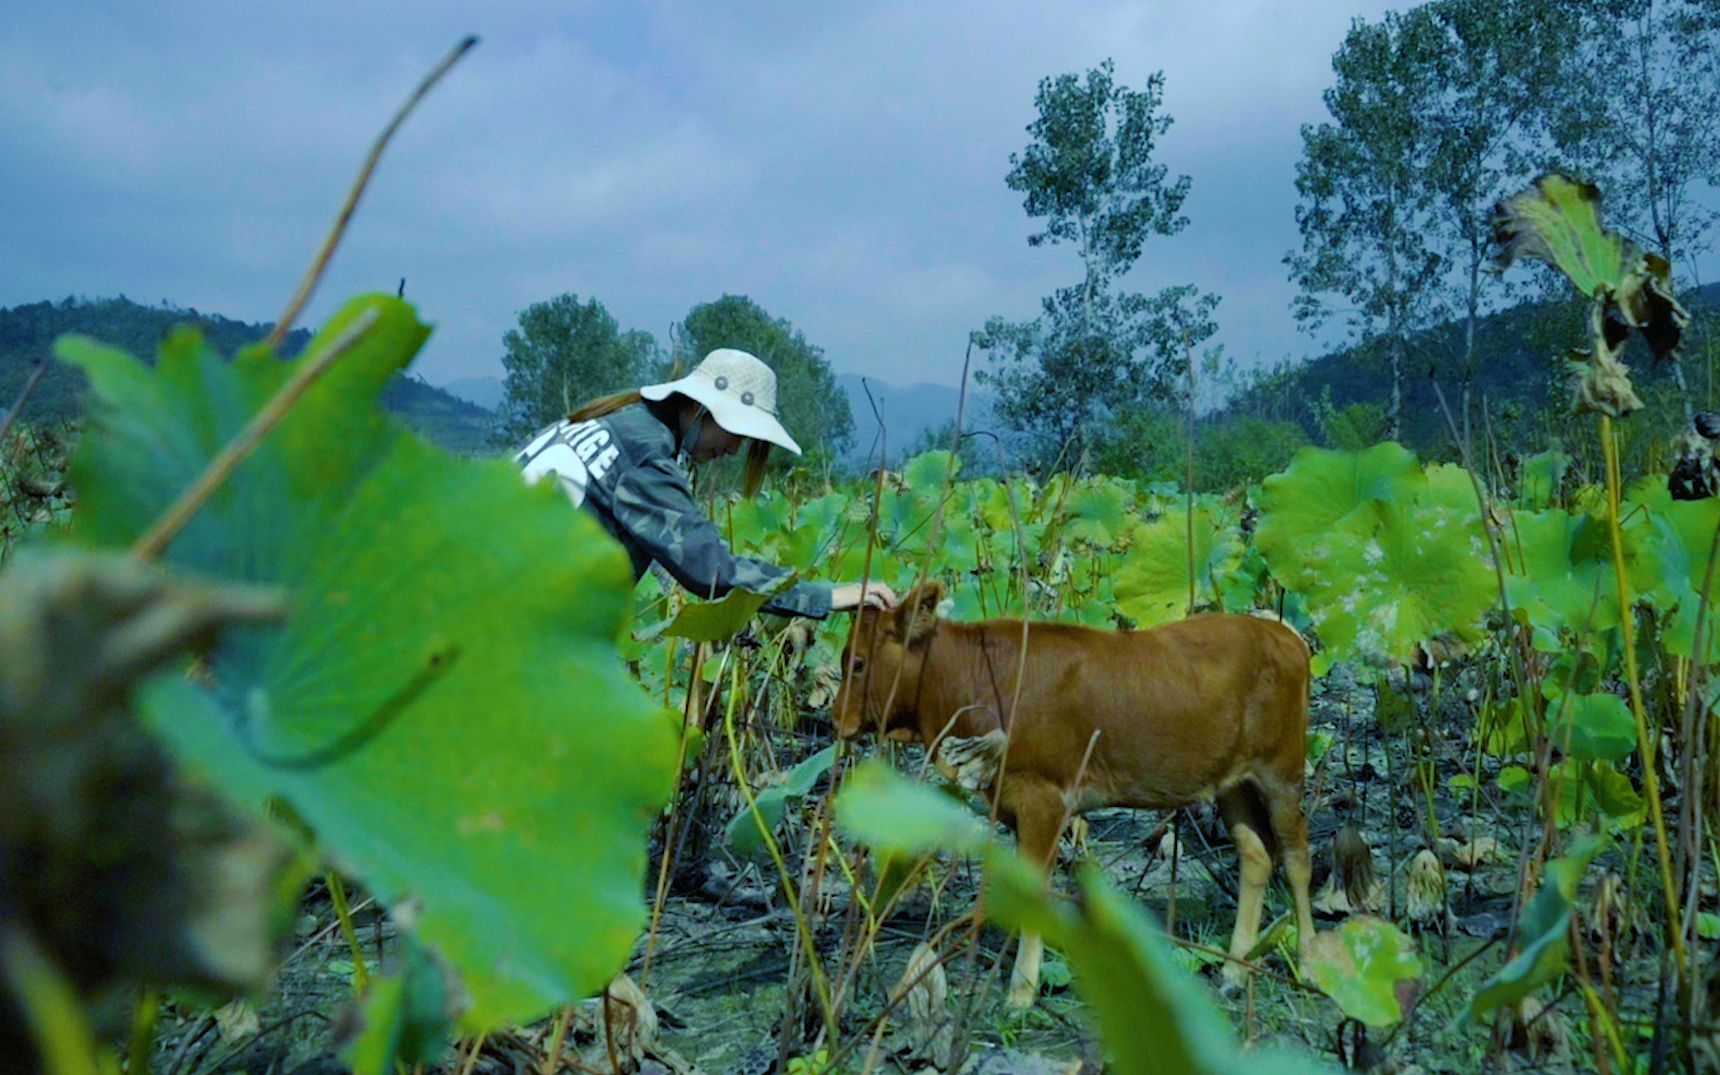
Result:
pixel 1635 110
pixel 403 1018
pixel 1101 515
pixel 1561 582
pixel 742 831
pixel 1231 451
pixel 1558 221
pixel 1148 1017
pixel 1385 555
pixel 1502 65
pixel 1094 352
pixel 810 404
pixel 719 621
pixel 1243 450
pixel 563 353
pixel 1353 426
pixel 414 710
pixel 27 333
pixel 880 808
pixel 1540 477
pixel 1364 214
pixel 1596 727
pixel 1152 585
pixel 1365 966
pixel 1673 548
pixel 1322 493
pixel 1543 933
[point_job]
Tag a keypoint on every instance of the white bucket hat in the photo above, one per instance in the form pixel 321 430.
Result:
pixel 738 390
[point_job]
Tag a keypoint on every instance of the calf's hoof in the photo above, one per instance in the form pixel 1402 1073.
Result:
pixel 1232 980
pixel 1022 993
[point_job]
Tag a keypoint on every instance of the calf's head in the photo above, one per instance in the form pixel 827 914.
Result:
pixel 881 666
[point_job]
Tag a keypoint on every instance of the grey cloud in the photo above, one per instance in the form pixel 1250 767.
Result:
pixel 843 167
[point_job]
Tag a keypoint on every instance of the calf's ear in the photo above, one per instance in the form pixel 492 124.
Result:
pixel 917 615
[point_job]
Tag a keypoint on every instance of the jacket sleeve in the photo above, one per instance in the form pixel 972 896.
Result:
pixel 654 506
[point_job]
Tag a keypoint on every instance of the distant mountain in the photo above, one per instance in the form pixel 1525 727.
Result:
pixel 909 411
pixel 27 334
pixel 485 392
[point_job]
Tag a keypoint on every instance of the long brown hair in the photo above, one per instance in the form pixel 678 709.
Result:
pixel 602 405
pixel 757 451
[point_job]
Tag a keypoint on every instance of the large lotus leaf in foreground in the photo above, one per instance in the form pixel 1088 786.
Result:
pixel 444 707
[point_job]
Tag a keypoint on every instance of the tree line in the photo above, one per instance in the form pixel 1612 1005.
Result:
pixel 565 350
pixel 1435 113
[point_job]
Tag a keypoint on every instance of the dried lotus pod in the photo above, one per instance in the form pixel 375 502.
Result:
pixel 1353 865
pixel 930 1029
pixel 1424 902
pixel 1600 384
pixel 1539 1030
pixel 973 762
pixel 627 1017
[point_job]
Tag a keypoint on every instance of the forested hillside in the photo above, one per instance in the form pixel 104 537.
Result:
pixel 1516 372
pixel 27 334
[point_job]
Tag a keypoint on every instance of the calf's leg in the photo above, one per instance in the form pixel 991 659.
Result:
pixel 1039 812
pixel 1290 829
pixel 1238 812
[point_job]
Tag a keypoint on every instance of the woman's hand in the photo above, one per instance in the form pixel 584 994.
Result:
pixel 846 597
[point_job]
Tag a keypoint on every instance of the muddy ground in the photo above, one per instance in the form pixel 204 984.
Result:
pixel 718 972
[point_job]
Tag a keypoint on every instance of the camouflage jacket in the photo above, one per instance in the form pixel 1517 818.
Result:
pixel 622 469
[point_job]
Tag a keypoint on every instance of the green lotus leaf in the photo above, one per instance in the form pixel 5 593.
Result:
pixel 1150 1013
pixel 1416 576
pixel 743 832
pixel 927 471
pixel 719 621
pixel 1594 727
pixel 1562 580
pixel 445 707
pixel 1100 514
pixel 1539 478
pixel 886 811
pixel 1671 563
pixel 1558 220
pixel 1314 514
pixel 1152 583
pixel 1542 933
pixel 1365 966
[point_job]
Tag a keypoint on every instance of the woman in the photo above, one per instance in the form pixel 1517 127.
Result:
pixel 619 457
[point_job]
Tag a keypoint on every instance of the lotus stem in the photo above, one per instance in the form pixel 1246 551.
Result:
pixel 1645 746
pixel 820 984
pixel 343 913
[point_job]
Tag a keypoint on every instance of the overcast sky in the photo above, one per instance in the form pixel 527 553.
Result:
pixel 842 165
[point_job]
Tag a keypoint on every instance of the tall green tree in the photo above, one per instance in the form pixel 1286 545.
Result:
pixel 1365 211
pixel 1642 117
pixel 1090 174
pixel 564 352
pixel 1504 67
pixel 1642 120
pixel 809 402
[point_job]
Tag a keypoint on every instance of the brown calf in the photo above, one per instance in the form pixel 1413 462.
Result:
pixel 1214 706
